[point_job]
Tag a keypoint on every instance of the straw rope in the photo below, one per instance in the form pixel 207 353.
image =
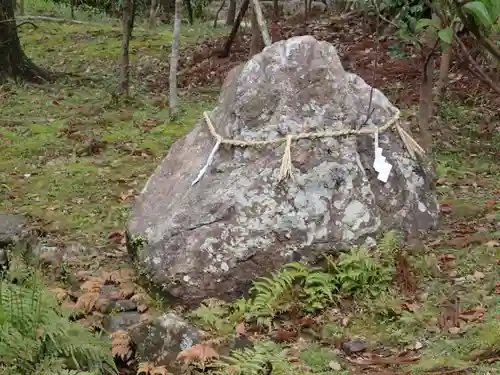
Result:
pixel 286 163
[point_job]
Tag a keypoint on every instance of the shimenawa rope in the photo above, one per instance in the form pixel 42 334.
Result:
pixel 286 162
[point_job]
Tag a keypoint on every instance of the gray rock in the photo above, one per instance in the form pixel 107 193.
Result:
pixel 121 322
pixel 120 306
pixel 354 346
pixel 12 232
pixel 163 339
pixel 238 221
pixel 11 229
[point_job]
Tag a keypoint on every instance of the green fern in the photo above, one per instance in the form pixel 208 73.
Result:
pixel 272 295
pixel 37 337
pixel 256 360
pixel 210 312
pixel 356 273
pixel 319 290
pixel 219 316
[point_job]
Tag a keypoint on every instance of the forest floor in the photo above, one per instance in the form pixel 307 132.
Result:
pixel 72 160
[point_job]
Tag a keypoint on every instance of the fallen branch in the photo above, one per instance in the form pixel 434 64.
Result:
pixel 27 23
pixel 482 75
pixel 53 19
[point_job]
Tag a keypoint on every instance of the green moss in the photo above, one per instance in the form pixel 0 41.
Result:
pixel 44 164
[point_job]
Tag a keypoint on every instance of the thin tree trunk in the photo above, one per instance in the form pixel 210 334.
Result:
pixel 257 42
pixel 444 68
pixel 261 22
pixel 174 59
pixel 231 13
pixel 276 10
pixel 21 7
pixel 13 61
pixel 306 13
pixel 218 12
pixel 189 8
pixel 152 13
pixel 426 87
pixel 229 42
pixel 128 26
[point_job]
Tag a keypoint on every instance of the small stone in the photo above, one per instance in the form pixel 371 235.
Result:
pixel 120 322
pixel 478 275
pixel 11 228
pixel 120 306
pixel 163 339
pixel 454 330
pixel 354 346
pixel 418 345
pixel 335 366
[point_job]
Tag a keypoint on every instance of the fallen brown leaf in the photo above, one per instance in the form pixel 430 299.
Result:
pixel 476 313
pixel 117 237
pixel 282 335
pixel 127 289
pixel 240 329
pixel 198 353
pixel 87 301
pixel 411 307
pixel 121 345
pixel 126 195
pixel 59 293
pixel 149 369
pixel 92 286
pixel 461 242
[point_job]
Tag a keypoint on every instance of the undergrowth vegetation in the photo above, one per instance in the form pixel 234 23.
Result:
pixel 297 287
pixel 38 336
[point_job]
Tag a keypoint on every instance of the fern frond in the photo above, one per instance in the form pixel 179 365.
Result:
pixel 210 312
pixel 255 361
pixel 271 295
pixel 35 330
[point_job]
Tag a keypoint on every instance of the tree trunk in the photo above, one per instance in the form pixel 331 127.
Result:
pixel 306 12
pixel 152 13
pixel 189 9
pixel 227 47
pixel 257 42
pixel 21 7
pixel 261 22
pixel 218 12
pixel 444 69
pixel 128 26
pixel 276 10
pixel 13 62
pixel 174 59
pixel 231 12
pixel 430 43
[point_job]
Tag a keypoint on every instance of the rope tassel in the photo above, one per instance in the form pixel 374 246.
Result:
pixel 286 161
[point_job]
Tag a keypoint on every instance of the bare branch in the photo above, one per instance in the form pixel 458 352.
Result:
pixel 481 74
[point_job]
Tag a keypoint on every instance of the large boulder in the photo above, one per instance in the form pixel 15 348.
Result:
pixel 239 222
